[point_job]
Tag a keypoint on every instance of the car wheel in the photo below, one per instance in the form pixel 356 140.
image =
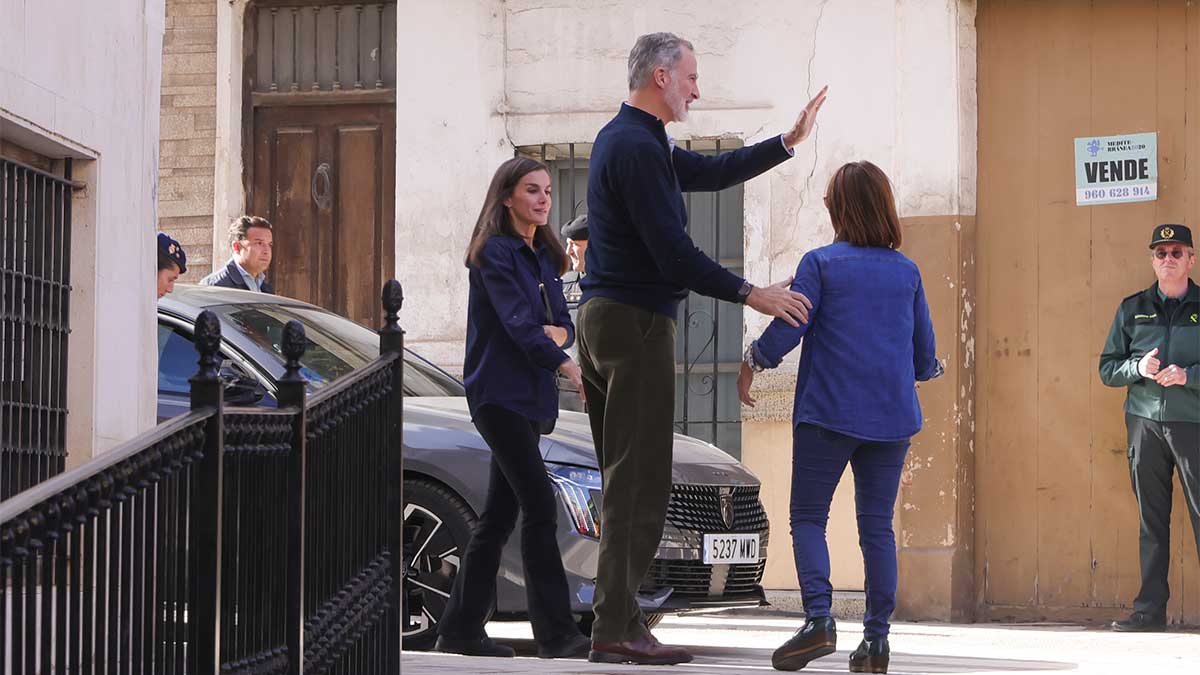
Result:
pixel 442 524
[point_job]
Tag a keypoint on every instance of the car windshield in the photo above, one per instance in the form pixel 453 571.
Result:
pixel 336 346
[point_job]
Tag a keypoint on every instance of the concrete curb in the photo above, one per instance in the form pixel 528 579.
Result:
pixel 847 605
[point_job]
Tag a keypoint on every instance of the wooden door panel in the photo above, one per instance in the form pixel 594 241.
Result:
pixel 359 174
pixel 324 175
pixel 293 214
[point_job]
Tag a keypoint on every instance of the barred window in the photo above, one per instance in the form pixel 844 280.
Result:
pixel 709 333
pixel 35 236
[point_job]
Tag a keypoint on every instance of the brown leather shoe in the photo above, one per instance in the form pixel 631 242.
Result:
pixel 645 650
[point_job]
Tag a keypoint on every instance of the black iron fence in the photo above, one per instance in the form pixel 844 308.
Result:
pixel 227 540
pixel 35 291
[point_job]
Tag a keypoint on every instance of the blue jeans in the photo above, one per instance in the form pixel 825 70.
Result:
pixel 819 458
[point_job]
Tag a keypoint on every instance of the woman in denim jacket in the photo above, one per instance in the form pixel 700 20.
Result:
pixel 869 339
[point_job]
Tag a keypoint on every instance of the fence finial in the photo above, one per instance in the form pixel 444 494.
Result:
pixel 393 299
pixel 295 342
pixel 208 344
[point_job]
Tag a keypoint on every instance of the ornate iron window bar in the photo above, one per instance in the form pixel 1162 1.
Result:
pixel 708 347
pixel 35 294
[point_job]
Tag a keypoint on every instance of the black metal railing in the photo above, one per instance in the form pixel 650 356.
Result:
pixel 227 540
pixel 35 291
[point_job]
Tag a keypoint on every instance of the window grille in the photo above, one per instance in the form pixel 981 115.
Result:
pixel 35 290
pixel 708 332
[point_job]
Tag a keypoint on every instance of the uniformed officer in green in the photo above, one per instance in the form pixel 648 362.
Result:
pixel 1153 349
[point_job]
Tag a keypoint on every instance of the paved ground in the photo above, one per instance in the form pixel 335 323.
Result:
pixel 726 644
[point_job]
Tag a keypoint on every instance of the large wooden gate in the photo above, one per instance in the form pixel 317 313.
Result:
pixel 1056 525
pixel 320 147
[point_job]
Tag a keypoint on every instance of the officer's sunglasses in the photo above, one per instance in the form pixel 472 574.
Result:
pixel 1175 253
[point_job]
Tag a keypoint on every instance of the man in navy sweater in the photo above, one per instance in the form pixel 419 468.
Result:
pixel 641 263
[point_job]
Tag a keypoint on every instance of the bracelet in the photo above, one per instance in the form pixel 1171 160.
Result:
pixel 748 359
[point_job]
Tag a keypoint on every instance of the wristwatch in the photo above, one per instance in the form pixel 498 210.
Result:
pixel 744 292
pixel 748 359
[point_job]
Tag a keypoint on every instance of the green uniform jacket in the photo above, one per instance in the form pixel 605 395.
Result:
pixel 1141 325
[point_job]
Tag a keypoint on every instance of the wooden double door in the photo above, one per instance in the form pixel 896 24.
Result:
pixel 324 175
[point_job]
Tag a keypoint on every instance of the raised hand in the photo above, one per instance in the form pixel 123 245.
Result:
pixel 780 301
pixel 806 121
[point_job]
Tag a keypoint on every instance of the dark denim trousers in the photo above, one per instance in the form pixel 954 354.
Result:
pixel 518 483
pixel 819 457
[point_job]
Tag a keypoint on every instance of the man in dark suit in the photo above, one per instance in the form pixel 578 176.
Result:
pixel 640 264
pixel 252 241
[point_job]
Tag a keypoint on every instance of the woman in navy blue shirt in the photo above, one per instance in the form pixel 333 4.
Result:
pixel 517 327
pixel 868 341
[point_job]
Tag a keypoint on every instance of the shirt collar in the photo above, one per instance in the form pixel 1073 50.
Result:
pixel 1192 294
pixel 636 115
pixel 517 243
pixel 255 283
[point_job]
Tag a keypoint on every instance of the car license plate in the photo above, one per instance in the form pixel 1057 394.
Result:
pixel 730 548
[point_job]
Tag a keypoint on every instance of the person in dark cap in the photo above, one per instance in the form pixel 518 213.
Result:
pixel 172 262
pixel 576 233
pixel 1153 349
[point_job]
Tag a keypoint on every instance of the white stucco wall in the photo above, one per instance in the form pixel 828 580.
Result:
pixel 84 78
pixel 484 77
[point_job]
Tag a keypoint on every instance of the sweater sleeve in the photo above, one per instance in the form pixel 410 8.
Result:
pixel 1118 368
pixel 708 173
pixel 646 184
pixel 498 274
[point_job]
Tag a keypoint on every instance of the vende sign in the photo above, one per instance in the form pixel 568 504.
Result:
pixel 1116 169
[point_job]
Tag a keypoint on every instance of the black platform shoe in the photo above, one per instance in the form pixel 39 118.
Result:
pixel 871 657
pixel 817 638
pixel 575 646
pixel 483 646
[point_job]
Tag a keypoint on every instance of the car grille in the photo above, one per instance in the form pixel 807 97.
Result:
pixel 698 508
pixel 694 579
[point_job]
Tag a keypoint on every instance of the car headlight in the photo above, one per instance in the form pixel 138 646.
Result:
pixel 579 489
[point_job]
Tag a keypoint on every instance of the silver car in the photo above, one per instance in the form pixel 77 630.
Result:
pixel 713 548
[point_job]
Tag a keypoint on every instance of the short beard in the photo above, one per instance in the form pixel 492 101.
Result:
pixel 677 103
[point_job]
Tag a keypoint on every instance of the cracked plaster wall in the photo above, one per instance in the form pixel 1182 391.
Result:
pixel 524 72
pixel 902 81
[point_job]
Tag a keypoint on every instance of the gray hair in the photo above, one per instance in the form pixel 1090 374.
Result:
pixel 653 51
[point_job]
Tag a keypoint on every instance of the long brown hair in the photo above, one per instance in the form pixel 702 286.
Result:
pixel 862 207
pixel 494 218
